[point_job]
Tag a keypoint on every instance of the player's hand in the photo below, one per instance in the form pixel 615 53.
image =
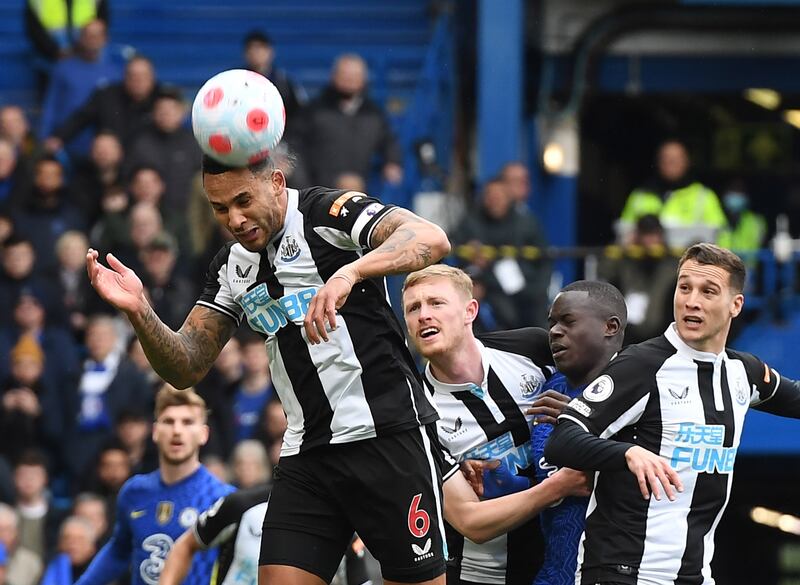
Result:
pixel 650 471
pixel 473 472
pixel 117 284
pixel 547 406
pixel 322 308
pixel 571 482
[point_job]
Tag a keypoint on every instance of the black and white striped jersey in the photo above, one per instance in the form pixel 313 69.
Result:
pixel 489 422
pixel 689 407
pixel 234 525
pixel 361 383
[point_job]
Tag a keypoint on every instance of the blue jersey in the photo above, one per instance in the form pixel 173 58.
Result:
pixel 151 515
pixel 562 525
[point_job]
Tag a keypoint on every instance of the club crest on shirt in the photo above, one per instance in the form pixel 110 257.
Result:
pixel 741 393
pixel 529 385
pixel 187 517
pixel 164 512
pixel 600 389
pixel 290 250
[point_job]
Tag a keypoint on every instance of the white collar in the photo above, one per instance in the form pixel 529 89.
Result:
pixel 444 388
pixel 675 339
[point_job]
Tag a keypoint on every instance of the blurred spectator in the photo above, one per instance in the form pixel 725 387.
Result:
pixel 217 389
pixel 138 358
pixel 343 130
pixel 77 543
pixel 250 465
pixel 110 232
pixel 14 126
pixel 217 467
pixel 15 180
pixel 94 177
pixel 688 210
pixel 518 182
pixel 54 26
pixel 24 567
pixel 6 229
pixel 144 224
pixel 515 286
pixel 30 408
pixel 647 280
pixel 350 182
pixel 486 320
pixel 78 297
pixel 147 186
pixel 271 428
pixel 17 260
pixel 133 430
pixel 29 315
pixel 168 145
pixel 121 108
pixel 47 213
pixel 171 295
pixel 254 389
pixel 746 229
pixel 92 508
pixel 111 470
pixel 259 56
pixel 108 385
pixel 39 517
pixel 72 82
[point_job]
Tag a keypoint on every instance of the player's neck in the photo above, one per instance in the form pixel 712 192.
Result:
pixel 174 472
pixel 460 365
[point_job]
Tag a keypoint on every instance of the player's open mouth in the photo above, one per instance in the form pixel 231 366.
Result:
pixel 692 322
pixel 557 350
pixel 248 235
pixel 428 332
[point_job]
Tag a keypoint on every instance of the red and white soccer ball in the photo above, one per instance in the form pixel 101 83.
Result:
pixel 238 117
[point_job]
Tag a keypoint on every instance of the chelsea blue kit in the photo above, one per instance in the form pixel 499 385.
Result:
pixel 151 515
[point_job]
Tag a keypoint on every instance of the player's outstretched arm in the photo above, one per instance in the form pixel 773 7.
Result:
pixel 180 357
pixel 483 520
pixel 179 559
pixel 401 242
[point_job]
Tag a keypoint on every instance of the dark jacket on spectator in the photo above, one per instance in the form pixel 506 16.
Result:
pixel 110 108
pixel 332 142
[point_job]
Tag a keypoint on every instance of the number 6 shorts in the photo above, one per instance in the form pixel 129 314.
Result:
pixel 388 490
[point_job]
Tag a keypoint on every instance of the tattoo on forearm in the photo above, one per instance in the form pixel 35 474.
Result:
pixel 183 357
pixel 396 236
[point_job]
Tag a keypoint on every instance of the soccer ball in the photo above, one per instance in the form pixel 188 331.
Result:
pixel 238 117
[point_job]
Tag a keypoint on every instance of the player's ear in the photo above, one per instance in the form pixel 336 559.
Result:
pixel 278 180
pixel 472 311
pixel 206 432
pixel 736 305
pixel 613 326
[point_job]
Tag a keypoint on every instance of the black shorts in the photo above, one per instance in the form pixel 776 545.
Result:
pixel 387 489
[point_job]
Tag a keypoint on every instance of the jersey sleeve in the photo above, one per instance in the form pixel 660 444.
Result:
pixel 114 558
pixel 346 219
pixel 614 400
pixel 218 523
pixel 531 342
pixel 769 391
pixel 217 291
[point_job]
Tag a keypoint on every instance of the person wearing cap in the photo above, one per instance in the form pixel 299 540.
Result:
pixel 168 145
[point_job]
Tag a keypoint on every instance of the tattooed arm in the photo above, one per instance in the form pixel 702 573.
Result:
pixel 402 242
pixel 181 358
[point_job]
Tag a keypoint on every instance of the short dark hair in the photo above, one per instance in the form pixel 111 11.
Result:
pixel 171 92
pixel 211 166
pixel 33 458
pixel 711 254
pixel 606 298
pixel 257 36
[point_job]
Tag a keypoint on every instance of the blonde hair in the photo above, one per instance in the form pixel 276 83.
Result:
pixel 460 279
pixel 171 396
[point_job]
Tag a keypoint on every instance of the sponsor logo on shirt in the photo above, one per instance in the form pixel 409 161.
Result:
pixel 268 315
pixel 580 407
pixel 700 446
pixel 422 552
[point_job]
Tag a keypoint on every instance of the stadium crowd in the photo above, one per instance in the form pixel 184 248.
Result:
pixel 113 165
